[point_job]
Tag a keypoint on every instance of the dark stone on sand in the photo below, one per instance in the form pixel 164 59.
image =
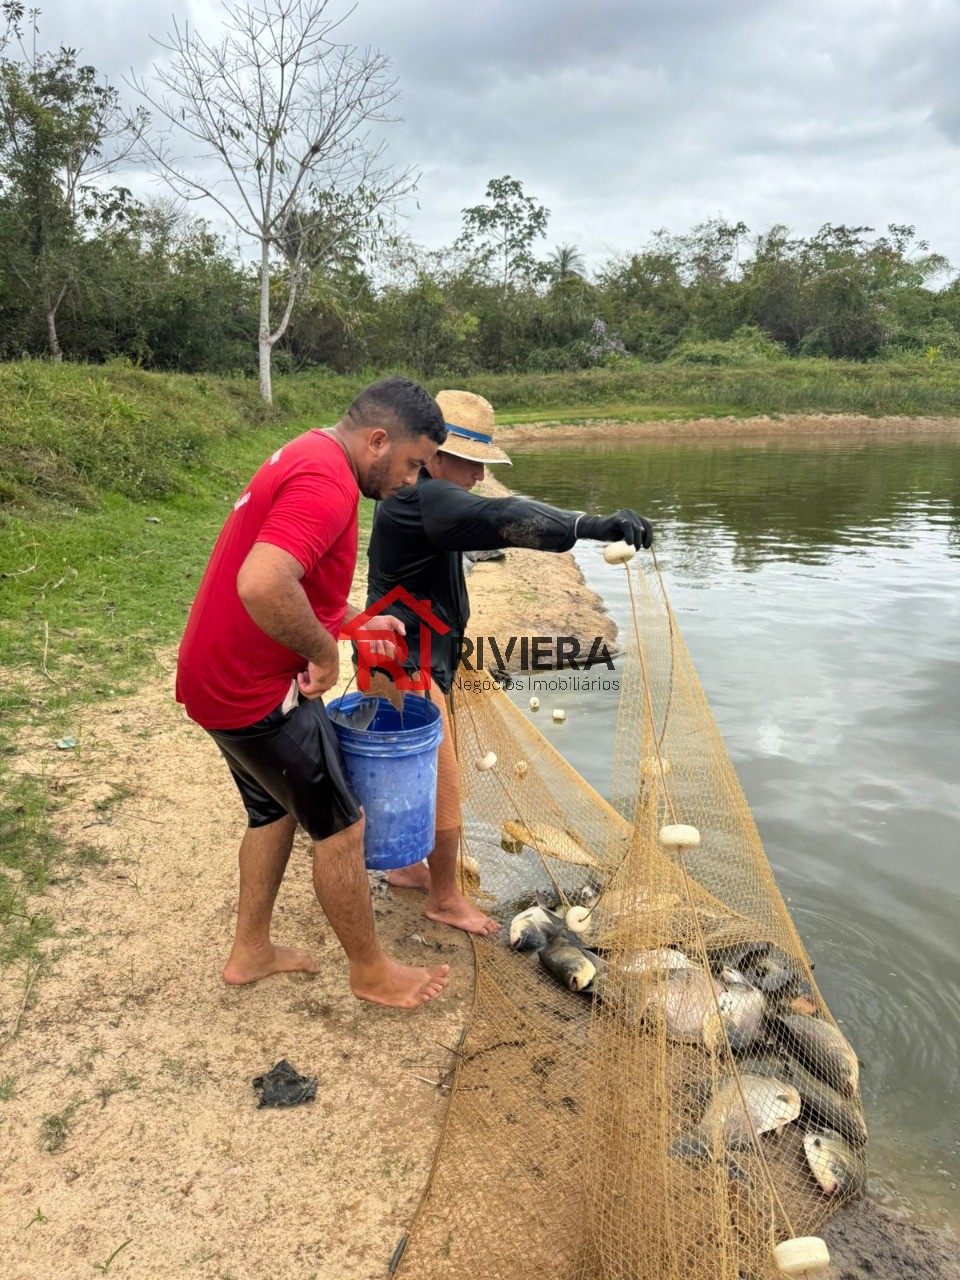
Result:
pixel 867 1242
pixel 284 1086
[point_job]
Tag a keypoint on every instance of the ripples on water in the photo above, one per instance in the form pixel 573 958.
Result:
pixel 817 585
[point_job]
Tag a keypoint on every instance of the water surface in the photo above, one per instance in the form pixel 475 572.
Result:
pixel 816 585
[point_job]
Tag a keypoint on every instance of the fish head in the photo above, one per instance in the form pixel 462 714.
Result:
pixel 772 1103
pixel 537 913
pixel 569 965
pixel 786 1103
pixel 587 896
pixel 830 1159
pixel 742 1002
pixel 777 973
pixel 526 934
pixel 582 973
pixel 740 1010
pixel 536 923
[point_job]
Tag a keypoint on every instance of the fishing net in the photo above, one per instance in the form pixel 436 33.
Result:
pixel 694 1105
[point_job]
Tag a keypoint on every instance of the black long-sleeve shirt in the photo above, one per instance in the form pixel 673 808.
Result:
pixel 418 539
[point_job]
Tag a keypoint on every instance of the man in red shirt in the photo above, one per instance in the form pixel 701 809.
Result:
pixel 260 650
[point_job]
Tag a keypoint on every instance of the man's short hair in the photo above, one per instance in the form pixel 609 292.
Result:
pixel 399 402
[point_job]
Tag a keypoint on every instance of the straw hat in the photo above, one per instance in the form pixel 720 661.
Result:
pixel 469 420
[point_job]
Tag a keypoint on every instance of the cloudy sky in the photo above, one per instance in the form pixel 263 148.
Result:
pixel 627 115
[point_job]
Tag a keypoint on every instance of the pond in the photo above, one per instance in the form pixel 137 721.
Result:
pixel 817 585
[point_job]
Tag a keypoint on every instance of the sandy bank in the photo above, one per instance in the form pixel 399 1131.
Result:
pixel 777 426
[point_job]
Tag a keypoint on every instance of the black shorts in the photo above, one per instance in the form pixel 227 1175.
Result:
pixel 289 763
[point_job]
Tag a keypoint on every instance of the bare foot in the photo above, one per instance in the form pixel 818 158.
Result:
pixel 397 985
pixel 460 913
pixel 416 876
pixel 252 964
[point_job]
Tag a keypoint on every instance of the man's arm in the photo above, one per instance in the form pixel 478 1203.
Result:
pixel 269 588
pixel 456 520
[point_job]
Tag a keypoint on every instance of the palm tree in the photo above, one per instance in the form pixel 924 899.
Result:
pixel 566 260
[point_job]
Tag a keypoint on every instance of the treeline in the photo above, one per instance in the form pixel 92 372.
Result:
pixel 165 293
pixel 89 273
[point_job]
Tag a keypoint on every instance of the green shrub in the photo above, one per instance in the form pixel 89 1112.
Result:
pixel 748 345
pixel 938 340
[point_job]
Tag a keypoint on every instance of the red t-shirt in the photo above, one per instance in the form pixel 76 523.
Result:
pixel 304 500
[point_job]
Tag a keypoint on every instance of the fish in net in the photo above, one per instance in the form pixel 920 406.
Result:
pixel 650 1083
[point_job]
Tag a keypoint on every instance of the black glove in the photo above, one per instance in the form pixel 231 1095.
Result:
pixel 624 525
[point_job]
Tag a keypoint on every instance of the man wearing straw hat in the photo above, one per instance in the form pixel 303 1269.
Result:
pixel 418 540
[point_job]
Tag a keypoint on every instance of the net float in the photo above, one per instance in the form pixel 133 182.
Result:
pixel 619 552
pixel 486 762
pixel 559 716
pixel 534 704
pixel 578 919
pixel 678 836
pixel 800 1255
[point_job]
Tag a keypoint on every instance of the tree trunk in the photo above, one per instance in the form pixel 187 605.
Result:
pixel 266 346
pixel 52 339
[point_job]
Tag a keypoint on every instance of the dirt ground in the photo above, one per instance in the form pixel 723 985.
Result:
pixel 147 1058
pixel 132 1131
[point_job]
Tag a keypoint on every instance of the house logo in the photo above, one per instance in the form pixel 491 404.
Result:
pixel 370 640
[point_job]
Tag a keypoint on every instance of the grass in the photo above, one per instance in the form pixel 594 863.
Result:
pixel 125 1084
pixel 108 803
pixel 104 1267
pixel 55 1128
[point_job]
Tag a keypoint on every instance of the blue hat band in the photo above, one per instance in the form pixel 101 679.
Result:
pixel 469 435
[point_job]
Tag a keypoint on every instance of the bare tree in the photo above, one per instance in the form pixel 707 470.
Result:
pixel 280 111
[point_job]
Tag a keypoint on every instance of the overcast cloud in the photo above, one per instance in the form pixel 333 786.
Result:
pixel 627 115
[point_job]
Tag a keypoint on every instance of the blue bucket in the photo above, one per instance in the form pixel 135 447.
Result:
pixel 393 769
